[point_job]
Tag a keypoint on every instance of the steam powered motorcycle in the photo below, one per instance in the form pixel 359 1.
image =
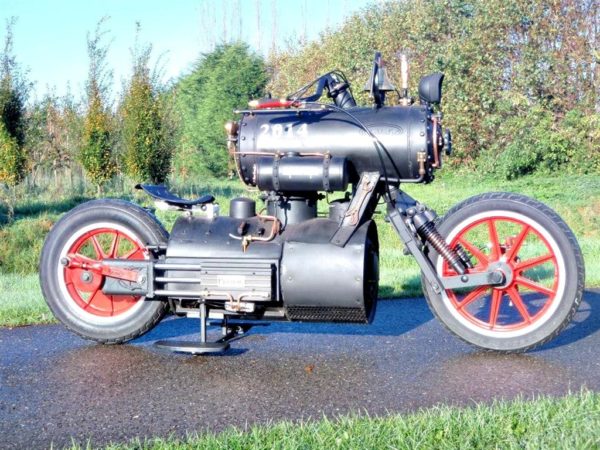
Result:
pixel 499 270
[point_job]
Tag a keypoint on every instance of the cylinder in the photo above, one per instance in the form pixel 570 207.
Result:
pixel 242 208
pixel 292 210
pixel 404 132
pixel 301 174
pixel 324 282
pixel 338 209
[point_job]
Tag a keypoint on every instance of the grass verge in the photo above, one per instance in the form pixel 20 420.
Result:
pixel 570 422
pixel 576 199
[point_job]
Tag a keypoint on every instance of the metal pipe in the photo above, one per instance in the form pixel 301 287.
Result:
pixel 203 322
pixel 177 280
pixel 176 266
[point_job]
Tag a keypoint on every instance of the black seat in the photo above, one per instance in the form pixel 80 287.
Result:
pixel 160 192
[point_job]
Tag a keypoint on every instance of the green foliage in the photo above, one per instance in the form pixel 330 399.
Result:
pixel 145 131
pixel 96 151
pixel 21 244
pixel 220 81
pixel 54 134
pixel 502 58
pixel 535 140
pixel 13 95
pixel 11 158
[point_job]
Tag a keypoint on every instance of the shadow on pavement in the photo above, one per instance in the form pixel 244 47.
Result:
pixel 585 323
pixel 392 318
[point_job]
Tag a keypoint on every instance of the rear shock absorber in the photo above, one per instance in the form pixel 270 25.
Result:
pixel 423 220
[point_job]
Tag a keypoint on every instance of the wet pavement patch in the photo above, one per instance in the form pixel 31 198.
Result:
pixel 55 386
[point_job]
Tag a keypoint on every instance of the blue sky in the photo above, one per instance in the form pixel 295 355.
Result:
pixel 50 35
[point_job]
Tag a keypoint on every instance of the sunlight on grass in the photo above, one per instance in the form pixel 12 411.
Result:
pixel 570 422
pixel 577 200
pixel 21 301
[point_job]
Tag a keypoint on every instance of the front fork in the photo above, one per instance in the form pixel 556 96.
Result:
pixel 415 224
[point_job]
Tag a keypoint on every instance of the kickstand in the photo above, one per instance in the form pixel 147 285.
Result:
pixel 202 347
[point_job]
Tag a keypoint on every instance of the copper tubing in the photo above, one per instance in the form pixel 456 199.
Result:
pixel 274 229
pixel 251 238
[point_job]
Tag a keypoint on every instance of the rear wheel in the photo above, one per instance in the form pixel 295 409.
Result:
pixel 92 232
pixel 542 263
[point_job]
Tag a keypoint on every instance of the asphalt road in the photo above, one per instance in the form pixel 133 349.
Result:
pixel 55 386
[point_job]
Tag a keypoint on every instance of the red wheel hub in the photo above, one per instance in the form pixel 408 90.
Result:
pixel 84 285
pixel 534 276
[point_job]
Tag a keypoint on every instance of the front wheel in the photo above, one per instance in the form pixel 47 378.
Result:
pixel 98 230
pixel 542 262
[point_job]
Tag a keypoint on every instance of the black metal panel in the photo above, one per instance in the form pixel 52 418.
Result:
pixel 199 237
pixel 224 279
pixel 143 286
pixel 403 131
pixel 316 275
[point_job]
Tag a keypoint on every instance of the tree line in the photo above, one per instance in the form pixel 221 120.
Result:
pixel 522 92
pixel 522 86
pixel 153 129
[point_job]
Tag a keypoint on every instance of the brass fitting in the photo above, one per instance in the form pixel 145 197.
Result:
pixel 421 159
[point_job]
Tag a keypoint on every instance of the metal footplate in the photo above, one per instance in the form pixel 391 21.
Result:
pixel 194 348
pixel 205 347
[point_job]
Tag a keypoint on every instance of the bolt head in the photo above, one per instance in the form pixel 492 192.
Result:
pixel 86 277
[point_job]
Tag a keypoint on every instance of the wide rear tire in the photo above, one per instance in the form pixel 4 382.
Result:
pixel 98 230
pixel 544 265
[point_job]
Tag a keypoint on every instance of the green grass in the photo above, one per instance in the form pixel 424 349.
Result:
pixel 22 302
pixel 571 422
pixel 576 199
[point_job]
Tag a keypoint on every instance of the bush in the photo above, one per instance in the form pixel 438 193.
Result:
pixel 14 90
pixel 527 54
pixel 11 158
pixel 96 151
pixel 220 82
pixel 145 134
pixel 535 141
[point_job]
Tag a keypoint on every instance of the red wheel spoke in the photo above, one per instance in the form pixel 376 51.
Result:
pixel 114 246
pixel 86 291
pixel 529 263
pixel 514 249
pixel 502 240
pixel 98 248
pixel 472 296
pixel 495 307
pixel 481 258
pixel 136 253
pixel 518 302
pixel 495 250
pixel 534 286
pixel 92 298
